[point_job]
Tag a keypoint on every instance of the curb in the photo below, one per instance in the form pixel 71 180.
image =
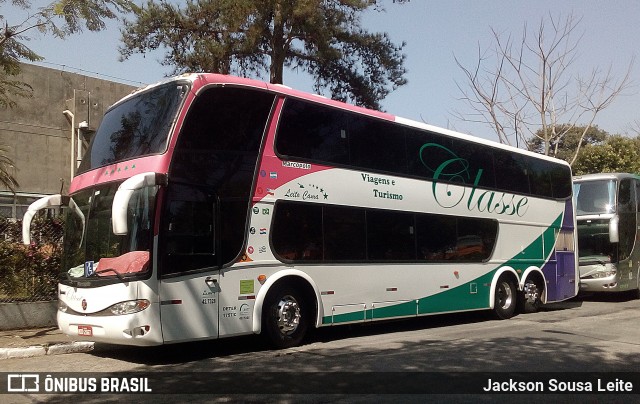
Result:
pixel 43 350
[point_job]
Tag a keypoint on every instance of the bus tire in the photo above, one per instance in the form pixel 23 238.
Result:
pixel 530 297
pixel 505 298
pixel 286 317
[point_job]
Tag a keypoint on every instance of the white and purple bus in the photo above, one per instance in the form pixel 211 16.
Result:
pixel 210 206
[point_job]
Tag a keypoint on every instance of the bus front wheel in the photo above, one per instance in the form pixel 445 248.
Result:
pixel 286 318
pixel 505 298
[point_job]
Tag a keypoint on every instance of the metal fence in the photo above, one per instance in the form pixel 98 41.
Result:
pixel 29 273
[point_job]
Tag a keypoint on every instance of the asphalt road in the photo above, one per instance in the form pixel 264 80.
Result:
pixel 588 334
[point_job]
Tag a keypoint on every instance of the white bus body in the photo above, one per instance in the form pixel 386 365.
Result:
pixel 252 208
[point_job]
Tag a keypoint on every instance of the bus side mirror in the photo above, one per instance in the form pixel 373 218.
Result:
pixel 123 195
pixel 614 235
pixel 42 203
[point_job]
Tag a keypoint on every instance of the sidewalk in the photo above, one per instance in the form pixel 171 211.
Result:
pixel 42 341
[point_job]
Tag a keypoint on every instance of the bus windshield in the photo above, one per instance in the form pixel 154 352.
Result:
pixel 91 250
pixel 137 127
pixel 595 197
pixel 594 246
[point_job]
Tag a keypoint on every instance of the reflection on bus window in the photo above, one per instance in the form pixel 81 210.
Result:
pixel 595 197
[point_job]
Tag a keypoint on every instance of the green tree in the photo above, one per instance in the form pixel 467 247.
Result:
pixel 321 37
pixel 59 18
pixel 616 154
pixel 568 139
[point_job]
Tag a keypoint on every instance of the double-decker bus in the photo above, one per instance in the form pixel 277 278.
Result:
pixel 607 222
pixel 210 206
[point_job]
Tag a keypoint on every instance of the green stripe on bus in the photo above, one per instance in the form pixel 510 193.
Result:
pixel 468 296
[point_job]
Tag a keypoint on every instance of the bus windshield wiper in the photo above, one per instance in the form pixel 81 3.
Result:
pixel 101 271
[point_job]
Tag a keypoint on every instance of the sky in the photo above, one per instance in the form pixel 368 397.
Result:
pixel 434 32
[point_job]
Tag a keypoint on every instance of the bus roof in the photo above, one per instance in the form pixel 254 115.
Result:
pixel 603 176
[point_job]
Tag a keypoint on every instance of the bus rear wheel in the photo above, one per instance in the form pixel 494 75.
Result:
pixel 286 318
pixel 505 298
pixel 531 297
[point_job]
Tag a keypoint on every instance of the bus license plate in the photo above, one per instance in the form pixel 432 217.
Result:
pixel 85 330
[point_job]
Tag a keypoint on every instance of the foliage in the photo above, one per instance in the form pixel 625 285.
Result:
pixel 90 13
pixel 616 154
pixel 30 272
pixel 251 37
pixel 12 51
pixel 7 180
pixel 59 18
pixel 565 146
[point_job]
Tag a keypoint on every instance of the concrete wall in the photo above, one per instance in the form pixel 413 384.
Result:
pixel 15 316
pixel 38 133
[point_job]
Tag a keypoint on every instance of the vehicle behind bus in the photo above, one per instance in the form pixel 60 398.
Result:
pixel 606 212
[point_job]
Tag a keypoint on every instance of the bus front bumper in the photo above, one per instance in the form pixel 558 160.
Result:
pixel 132 329
pixel 606 284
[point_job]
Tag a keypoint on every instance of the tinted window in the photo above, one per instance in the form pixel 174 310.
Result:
pixel 214 161
pixel 561 181
pixel 436 237
pixel 539 172
pixel 137 127
pixel 320 133
pixel 427 151
pixel 377 145
pixel 188 229
pixel 345 237
pixel 311 232
pixel 298 233
pixel 390 236
pixel 330 136
pixel 475 239
pixel 449 160
pixel 480 162
pixel 220 139
pixel 627 222
pixel 512 172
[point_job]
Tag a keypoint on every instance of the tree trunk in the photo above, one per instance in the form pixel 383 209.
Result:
pixel 277 46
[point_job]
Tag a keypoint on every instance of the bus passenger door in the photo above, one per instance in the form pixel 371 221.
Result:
pixel 189 307
pixel 627 228
pixel 189 272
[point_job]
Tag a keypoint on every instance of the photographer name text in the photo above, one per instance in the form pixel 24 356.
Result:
pixel 555 385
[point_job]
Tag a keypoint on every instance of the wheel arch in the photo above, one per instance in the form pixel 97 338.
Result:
pixel 308 288
pixel 506 271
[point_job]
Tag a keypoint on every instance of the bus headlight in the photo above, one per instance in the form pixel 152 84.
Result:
pixel 128 307
pixel 62 306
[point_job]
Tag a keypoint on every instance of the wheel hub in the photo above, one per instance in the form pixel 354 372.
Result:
pixel 288 315
pixel 531 292
pixel 506 297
